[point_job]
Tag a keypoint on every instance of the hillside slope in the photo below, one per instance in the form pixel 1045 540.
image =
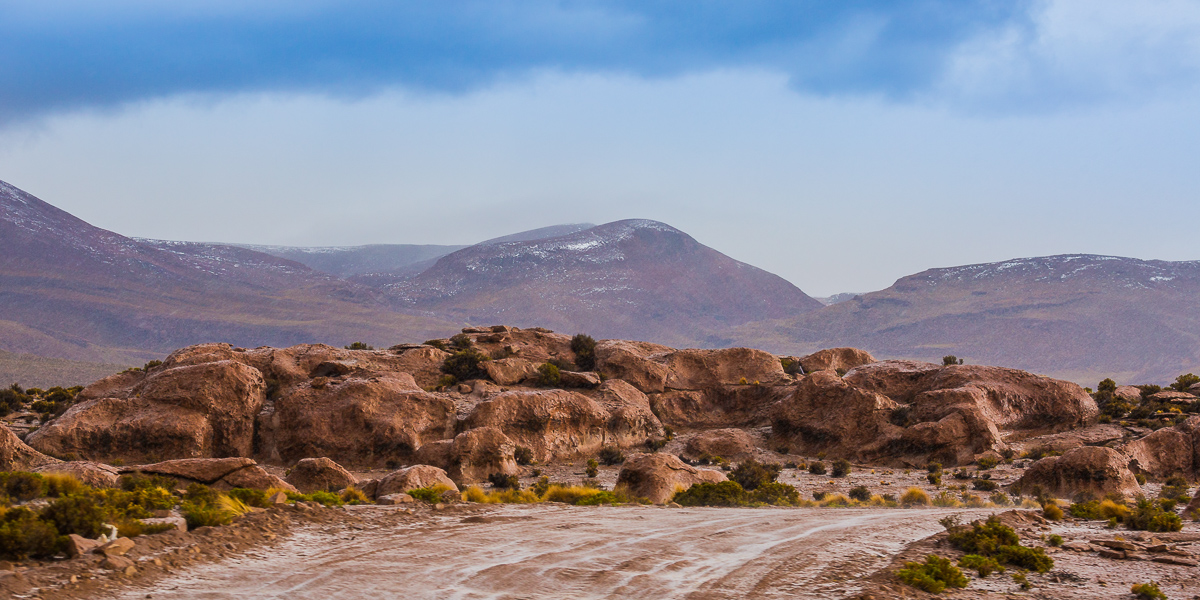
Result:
pixel 1078 317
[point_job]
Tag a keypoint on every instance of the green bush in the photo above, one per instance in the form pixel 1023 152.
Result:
pixel 984 565
pixel 75 514
pixel 775 493
pixel 462 341
pixel 359 346
pixel 549 375
pixel 465 364
pixel 593 468
pixel 523 456
pixel 1183 382
pixel 934 478
pixel 816 467
pixel 198 514
pixel 23 487
pixel 841 468
pixel 933 576
pixel 860 493
pixel 584 348
pixel 326 498
pixel 504 482
pixel 1148 591
pixel 611 455
pixel 987 463
pixel 725 493
pixel 1148 515
pixel 1055 540
pixel 1175 488
pixel 250 497
pixel 985 485
pixel 132 482
pixel 751 474
pixel 429 495
pixel 951 359
pixel 991 538
pixel 23 535
pixel 1086 510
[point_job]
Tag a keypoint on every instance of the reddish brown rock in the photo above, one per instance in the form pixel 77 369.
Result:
pixel 89 473
pixel 78 545
pixel 836 359
pixel 253 477
pixel 510 371
pixel 313 474
pixel 1089 471
pixel 721 406
pixel 578 379
pixel 632 362
pixel 1173 397
pixel 358 421
pixel 1162 454
pixel 827 414
pixel 15 455
pixel 658 476
pixel 533 344
pixel 472 455
pixel 703 369
pixel 630 417
pixel 201 470
pixel 732 444
pixel 552 423
pixel 411 478
pixel 200 410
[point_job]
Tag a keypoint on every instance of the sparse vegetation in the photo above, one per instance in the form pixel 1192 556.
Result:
pixel 951 359
pixel 751 474
pixel 359 346
pixel 611 455
pixel 523 456
pixel 584 348
pixel 593 468
pixel 933 576
pixel 549 375
pixel 841 468
pixel 465 364
pixel 1148 515
pixel 816 467
pixel 502 481
pixel 429 495
pixel 993 539
pixel 1148 591
pixel 730 493
pixel 860 493
pixel 914 496
pixel 983 565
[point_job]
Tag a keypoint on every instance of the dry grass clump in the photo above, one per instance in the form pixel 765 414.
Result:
pixel 946 500
pixel 353 495
pixel 914 496
pixel 837 501
pixel 508 496
pixel 1113 510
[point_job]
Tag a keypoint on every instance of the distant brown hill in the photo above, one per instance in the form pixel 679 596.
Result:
pixel 71 290
pixel 1077 317
pixel 633 278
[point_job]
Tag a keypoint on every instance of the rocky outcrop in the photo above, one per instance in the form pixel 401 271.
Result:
pixel 1091 471
pixel 221 473
pixel 658 476
pixel 89 473
pixel 630 417
pixel 552 423
pixel 1128 393
pixel 313 474
pixel 836 359
pixel 510 371
pixel 827 414
pixel 1167 452
pixel 703 369
pixel 632 362
pixel 15 455
pixel 410 478
pixel 731 444
pixel 356 420
pixel 472 455
pixel 722 406
pixel 1173 397
pixel 196 410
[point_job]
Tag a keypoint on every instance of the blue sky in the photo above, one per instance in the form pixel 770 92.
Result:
pixel 839 144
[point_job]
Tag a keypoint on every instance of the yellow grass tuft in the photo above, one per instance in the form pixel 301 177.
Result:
pixel 914 496
pixel 232 505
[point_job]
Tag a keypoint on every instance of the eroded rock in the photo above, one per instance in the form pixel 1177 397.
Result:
pixel 313 474
pixel 1089 471
pixel 657 476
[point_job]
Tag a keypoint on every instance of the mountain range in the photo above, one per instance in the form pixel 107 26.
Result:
pixel 70 290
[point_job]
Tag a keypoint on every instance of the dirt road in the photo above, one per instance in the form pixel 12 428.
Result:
pixel 548 551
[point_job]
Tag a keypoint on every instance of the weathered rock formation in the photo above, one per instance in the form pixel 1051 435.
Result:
pixel 1090 471
pixel 220 473
pixel 472 455
pixel 410 478
pixel 313 474
pixel 1167 452
pixel 15 455
pixel 836 359
pixel 658 476
pixel 90 473
pixel 730 444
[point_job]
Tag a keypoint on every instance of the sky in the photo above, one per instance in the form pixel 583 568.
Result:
pixel 839 144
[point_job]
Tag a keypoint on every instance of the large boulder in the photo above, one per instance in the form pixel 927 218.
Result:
pixel 15 455
pixel 703 369
pixel 734 444
pixel 356 421
pixel 411 478
pixel 630 417
pixel 1167 452
pixel 827 414
pixel 196 410
pixel 510 371
pixel 1090 471
pixel 220 473
pixel 658 476
pixel 836 359
pixel 720 406
pixel 472 455
pixel 97 475
pixel 1128 393
pixel 633 362
pixel 313 474
pixel 552 423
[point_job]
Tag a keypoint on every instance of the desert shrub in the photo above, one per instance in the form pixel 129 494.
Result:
pixel 1113 510
pixel 835 500
pixel 1183 382
pixel 359 346
pixel 325 498
pixel 725 493
pixel 1148 515
pixel 984 565
pixel 991 538
pixel 791 366
pixel 611 455
pixel 465 364
pixel 987 462
pixel 502 481
pixel 860 493
pixel 1000 499
pixel 508 496
pixel 1141 479
pixel 593 468
pixel 1052 511
pixel 841 468
pixel 985 485
pixel 23 535
pixel 75 514
pixel 22 486
pixel 946 500
pixel 775 493
pixel 250 497
pixel 62 484
pixel 584 348
pixel 816 467
pixel 933 576
pixel 1175 487
pixel 962 474
pixel 232 505
pixel 582 496
pixel 523 455
pixel 430 495
pixel 751 474
pixel 934 478
pixel 654 445
pixel 1020 579
pixel 549 375
pixel 131 528
pixel 352 495
pixel 1148 591
pixel 1085 510
pixel 200 493
pixel 205 515
pixel 439 344
pixel 933 467
pixel 1055 540
pixel 819 495
pixel 914 496
pixel 951 359
pixel 136 481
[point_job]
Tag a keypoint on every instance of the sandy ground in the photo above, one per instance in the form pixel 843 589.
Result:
pixel 547 551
